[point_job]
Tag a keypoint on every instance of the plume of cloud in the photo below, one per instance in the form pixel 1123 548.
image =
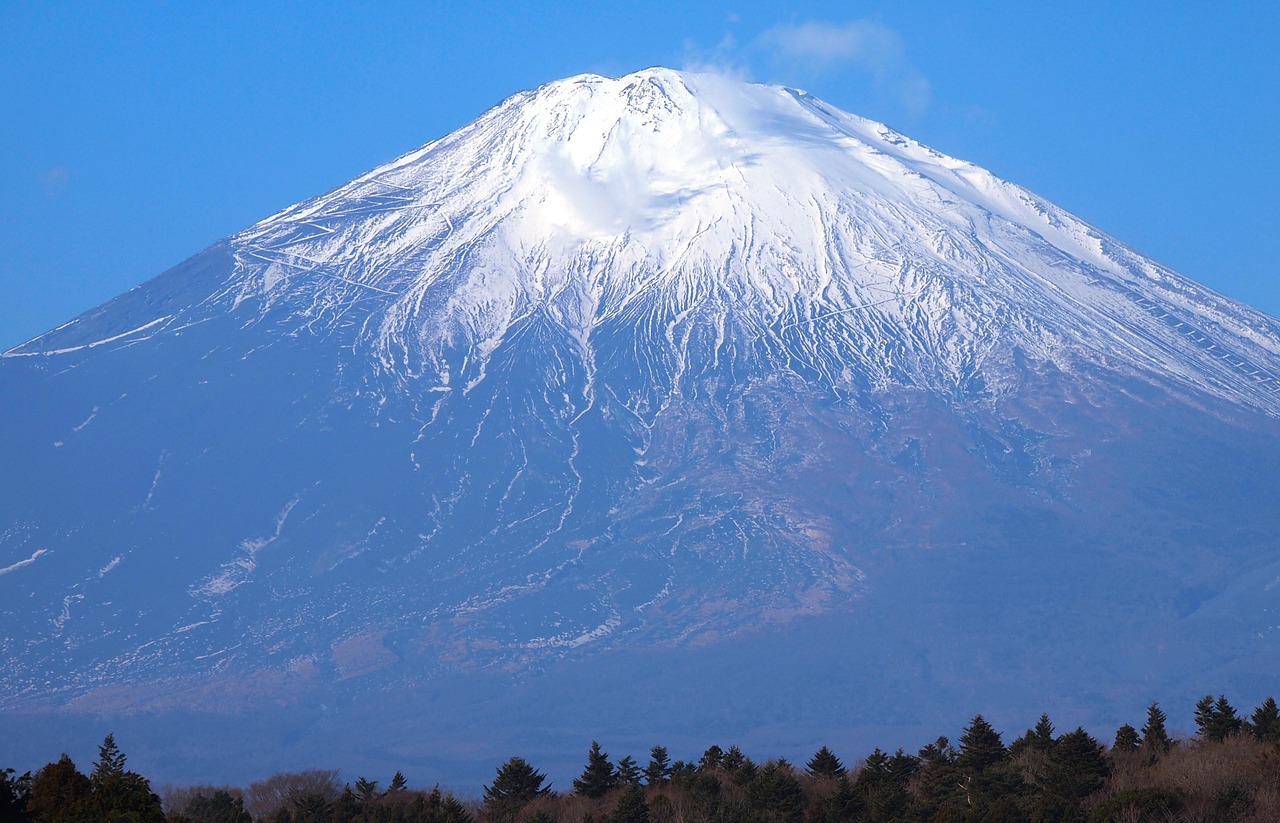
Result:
pixel 820 47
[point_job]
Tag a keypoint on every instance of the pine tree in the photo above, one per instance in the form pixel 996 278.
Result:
pixel 825 764
pixel 120 795
pixel 1155 740
pixel 515 784
pixel 1226 723
pixel 980 747
pixel 631 807
pixel 398 783
pixel 1204 716
pixel 599 776
pixel 366 790
pixel 59 792
pixel 1265 722
pixel 110 760
pixel 711 759
pixel 1127 739
pixel 659 768
pixel 452 811
pixel 775 795
pixel 628 772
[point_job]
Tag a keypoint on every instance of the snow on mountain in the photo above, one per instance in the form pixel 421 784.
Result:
pixel 646 369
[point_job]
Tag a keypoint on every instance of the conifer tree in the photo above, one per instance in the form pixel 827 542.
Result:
pixel 1265 722
pixel 366 790
pixel 631 807
pixel 659 768
pixel 711 759
pixel 59 792
pixel 980 746
pixel 825 764
pixel 1226 723
pixel 120 795
pixel 599 776
pixel 515 784
pixel 1155 739
pixel 398 783
pixel 628 772
pixel 1127 739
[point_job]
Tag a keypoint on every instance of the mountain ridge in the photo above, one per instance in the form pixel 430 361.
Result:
pixel 639 370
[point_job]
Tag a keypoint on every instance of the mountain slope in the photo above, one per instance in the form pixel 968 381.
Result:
pixel 625 374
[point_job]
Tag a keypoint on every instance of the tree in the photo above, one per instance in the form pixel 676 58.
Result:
pixel 1155 740
pixel 628 772
pixel 110 760
pixel 980 747
pixel 1127 739
pixel 515 784
pixel 366 790
pixel 59 792
pixel 659 768
pixel 13 796
pixel 121 795
pixel 711 759
pixel 825 764
pixel 1265 722
pixel 631 807
pixel 398 783
pixel 1039 738
pixel 776 795
pixel 599 776
pixel 1077 766
pixel 265 798
pixel 220 806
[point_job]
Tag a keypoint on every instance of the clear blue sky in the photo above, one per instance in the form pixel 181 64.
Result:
pixel 132 135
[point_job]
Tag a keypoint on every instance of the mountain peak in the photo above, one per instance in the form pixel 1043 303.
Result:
pixel 641 366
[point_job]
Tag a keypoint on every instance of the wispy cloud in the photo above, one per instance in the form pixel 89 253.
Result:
pixel 819 47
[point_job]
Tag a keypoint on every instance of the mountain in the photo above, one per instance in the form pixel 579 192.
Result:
pixel 659 409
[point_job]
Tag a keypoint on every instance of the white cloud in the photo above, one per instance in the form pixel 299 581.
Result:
pixel 820 47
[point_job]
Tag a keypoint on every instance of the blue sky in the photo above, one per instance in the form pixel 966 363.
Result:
pixel 134 135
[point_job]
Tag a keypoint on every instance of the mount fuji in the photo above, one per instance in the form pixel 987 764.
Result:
pixel 666 409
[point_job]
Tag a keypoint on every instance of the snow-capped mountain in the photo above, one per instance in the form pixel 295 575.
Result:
pixel 668 372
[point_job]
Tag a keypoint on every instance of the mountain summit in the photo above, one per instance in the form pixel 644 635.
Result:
pixel 646 383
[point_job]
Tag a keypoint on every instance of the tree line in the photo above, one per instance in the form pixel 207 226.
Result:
pixel 1229 771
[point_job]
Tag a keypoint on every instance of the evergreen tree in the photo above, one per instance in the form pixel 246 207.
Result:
pixel 599 776
pixel 1127 739
pixel 825 764
pixel 1226 723
pixel 366 790
pixel 628 772
pixel 110 760
pixel 659 768
pixel 398 783
pixel 901 767
pixel 1265 722
pixel 452 811
pixel 515 784
pixel 13 796
pixel 59 792
pixel 631 807
pixel 220 806
pixel 1078 766
pixel 980 747
pixel 347 808
pixel 1204 717
pixel 121 795
pixel 711 759
pixel 775 795
pixel 1155 740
